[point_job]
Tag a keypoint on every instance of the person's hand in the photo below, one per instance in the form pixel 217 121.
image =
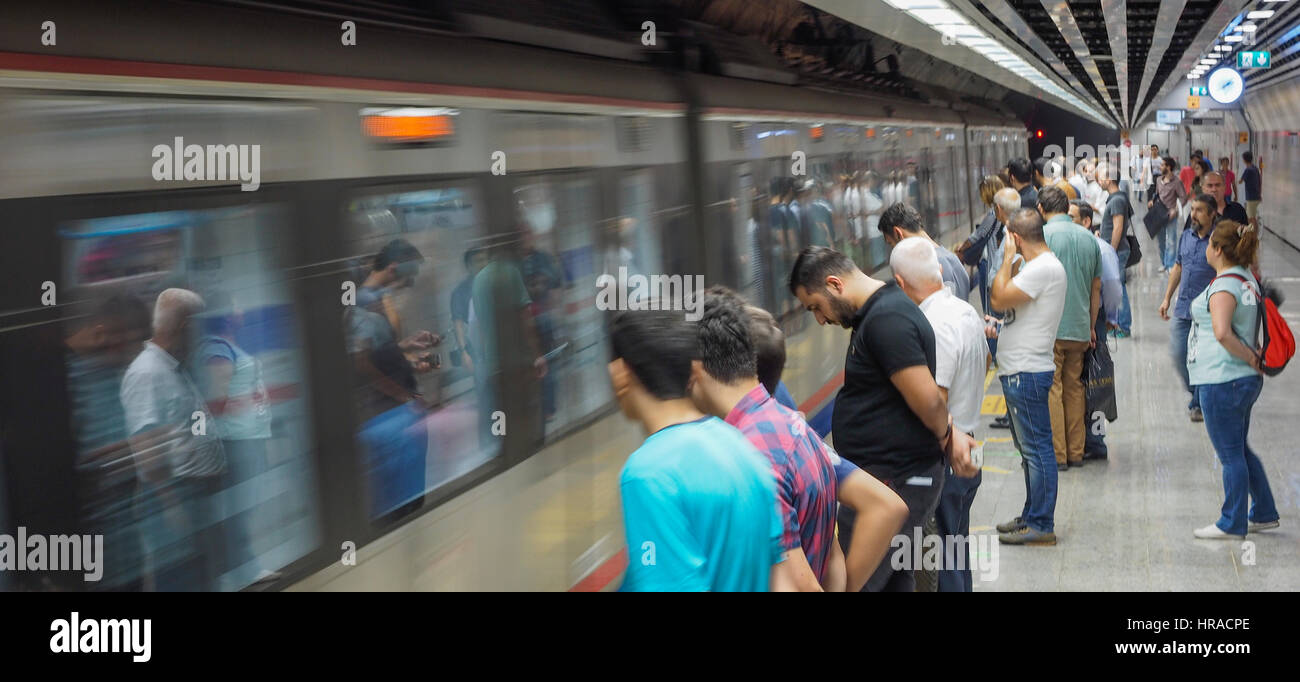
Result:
pixel 1164 310
pixel 990 327
pixel 420 340
pixel 540 366
pixel 1093 343
pixel 1009 249
pixel 1257 363
pixel 1173 213
pixel 959 447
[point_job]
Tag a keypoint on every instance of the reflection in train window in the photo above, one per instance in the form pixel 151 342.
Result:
pixel 417 344
pixel 193 448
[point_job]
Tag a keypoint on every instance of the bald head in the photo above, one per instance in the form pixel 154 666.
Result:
pixel 916 268
pixel 1213 185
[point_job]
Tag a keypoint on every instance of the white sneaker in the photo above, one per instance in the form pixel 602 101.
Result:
pixel 1256 527
pixel 1212 532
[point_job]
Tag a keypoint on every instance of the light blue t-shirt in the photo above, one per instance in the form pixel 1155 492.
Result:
pixel 700 511
pixel 1208 362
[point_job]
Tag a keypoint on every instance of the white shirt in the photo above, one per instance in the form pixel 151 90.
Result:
pixel 1029 331
pixel 1096 196
pixel 156 393
pixel 961 354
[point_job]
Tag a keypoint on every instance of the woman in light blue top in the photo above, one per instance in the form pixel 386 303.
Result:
pixel 1223 366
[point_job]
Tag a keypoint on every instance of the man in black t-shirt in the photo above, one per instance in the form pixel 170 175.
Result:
pixel 890 417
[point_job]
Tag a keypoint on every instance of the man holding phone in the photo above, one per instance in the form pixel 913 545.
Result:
pixel 1033 300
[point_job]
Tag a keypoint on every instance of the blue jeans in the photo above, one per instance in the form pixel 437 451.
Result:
pixel 1227 419
pixel 1178 331
pixel 952 516
pixel 1125 320
pixel 1031 424
pixel 1168 241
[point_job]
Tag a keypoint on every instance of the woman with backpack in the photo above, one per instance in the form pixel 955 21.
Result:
pixel 1224 365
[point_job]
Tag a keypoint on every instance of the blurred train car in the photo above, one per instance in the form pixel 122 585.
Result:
pixel 542 168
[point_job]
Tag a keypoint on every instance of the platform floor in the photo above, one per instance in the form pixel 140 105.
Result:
pixel 1125 524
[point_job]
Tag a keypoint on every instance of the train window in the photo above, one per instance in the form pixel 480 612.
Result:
pixel 193 449
pixel 420 346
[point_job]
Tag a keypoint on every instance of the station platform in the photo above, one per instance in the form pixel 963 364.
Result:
pixel 1125 523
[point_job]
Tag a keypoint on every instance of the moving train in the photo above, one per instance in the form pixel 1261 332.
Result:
pixel 560 166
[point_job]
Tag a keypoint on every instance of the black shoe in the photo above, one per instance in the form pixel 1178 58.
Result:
pixel 1002 422
pixel 1093 455
pixel 1062 466
pixel 1076 464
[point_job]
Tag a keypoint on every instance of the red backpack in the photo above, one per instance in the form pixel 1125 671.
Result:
pixel 1272 334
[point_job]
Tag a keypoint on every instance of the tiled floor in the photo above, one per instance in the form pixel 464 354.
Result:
pixel 1125 524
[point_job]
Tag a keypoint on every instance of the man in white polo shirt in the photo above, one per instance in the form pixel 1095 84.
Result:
pixel 961 356
pixel 1034 299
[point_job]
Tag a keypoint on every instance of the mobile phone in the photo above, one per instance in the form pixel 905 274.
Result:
pixel 977 455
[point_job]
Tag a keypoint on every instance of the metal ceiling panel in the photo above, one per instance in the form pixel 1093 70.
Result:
pixel 1210 30
pixel 1059 11
pixel 1166 23
pixel 1116 14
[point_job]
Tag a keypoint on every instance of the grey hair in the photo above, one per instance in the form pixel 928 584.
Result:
pixel 915 260
pixel 1008 199
pixel 173 307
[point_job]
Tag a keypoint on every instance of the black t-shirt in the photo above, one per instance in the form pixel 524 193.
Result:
pixel 1028 197
pixel 1116 204
pixel 1234 212
pixel 872 425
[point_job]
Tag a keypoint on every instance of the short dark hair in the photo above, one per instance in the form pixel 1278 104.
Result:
pixel 1198 154
pixel 396 251
pixel 901 215
pixel 814 264
pixel 769 346
pixel 726 349
pixel 1208 201
pixel 1053 200
pixel 658 347
pixel 1248 157
pixel 1020 169
pixel 1028 224
pixel 1040 166
pixel 1171 163
pixel 1085 210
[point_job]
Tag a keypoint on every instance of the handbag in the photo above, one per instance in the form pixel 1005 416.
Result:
pixel 1156 218
pixel 1134 247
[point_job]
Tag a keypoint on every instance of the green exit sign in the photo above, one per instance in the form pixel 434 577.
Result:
pixel 1199 91
pixel 1254 60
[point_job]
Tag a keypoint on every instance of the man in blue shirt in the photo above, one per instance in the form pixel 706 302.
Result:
pixel 699 502
pixel 1189 277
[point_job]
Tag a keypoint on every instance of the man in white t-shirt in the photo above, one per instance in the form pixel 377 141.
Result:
pixel 1034 299
pixel 961 356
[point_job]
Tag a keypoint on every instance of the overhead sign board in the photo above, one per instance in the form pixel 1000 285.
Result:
pixel 1258 59
pixel 1198 91
pixel 1169 116
pixel 1193 102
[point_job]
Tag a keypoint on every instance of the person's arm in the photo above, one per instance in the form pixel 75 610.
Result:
pixel 835 579
pixel 880 513
pixel 1094 305
pixel 1175 275
pixel 220 370
pixel 1222 305
pixel 923 396
pixel 1004 294
pixel 1117 231
pixel 462 342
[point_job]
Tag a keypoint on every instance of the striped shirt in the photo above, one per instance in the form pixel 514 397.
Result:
pixel 805 476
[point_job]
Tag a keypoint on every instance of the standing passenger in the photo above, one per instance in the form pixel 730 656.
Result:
pixel 890 417
pixel 961 359
pixel 699 502
pixel 1077 250
pixel 1223 364
pixel 1034 299
pixel 1190 275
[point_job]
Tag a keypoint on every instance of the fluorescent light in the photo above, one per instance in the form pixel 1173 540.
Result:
pixel 937 16
pixel 1208 62
pixel 918 4
pixel 1247 28
pixel 976 43
pixel 1234 38
pixel 1260 14
pixel 959 30
pixel 1223 48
